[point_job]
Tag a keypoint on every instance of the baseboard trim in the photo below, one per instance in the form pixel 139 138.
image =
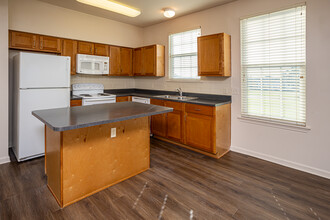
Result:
pixel 297 166
pixel 4 160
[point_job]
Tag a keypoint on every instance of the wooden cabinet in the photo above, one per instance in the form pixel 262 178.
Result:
pixel 158 122
pixel 35 42
pixel 199 132
pixel 114 61
pixel 120 61
pixel 22 40
pixel 85 47
pixel 149 61
pixel 69 48
pixel 101 50
pixel 137 62
pixel 50 44
pixel 205 129
pixel 214 55
pixel 174 121
pixel 123 99
pixel 126 61
pixel 74 103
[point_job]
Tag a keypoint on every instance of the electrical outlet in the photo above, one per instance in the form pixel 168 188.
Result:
pixel 113 132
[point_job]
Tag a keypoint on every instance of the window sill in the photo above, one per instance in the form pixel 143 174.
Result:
pixel 185 80
pixel 273 124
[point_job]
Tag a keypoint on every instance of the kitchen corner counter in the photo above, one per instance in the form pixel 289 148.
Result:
pixel 62 119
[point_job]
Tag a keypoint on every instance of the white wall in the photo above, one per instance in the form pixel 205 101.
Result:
pixel 43 18
pixel 4 81
pixel 304 150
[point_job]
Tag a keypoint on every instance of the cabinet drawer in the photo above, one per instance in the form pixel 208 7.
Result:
pixel 175 105
pixel 157 102
pixel 199 109
pixel 123 99
pixel 77 102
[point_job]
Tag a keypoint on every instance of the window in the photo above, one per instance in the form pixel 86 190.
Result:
pixel 273 66
pixel 183 55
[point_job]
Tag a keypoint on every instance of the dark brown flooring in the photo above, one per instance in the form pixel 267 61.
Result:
pixel 179 185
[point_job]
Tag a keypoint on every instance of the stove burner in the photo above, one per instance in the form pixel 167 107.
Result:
pixel 85 95
pixel 103 94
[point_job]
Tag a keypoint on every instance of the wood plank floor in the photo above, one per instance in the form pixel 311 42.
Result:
pixel 179 185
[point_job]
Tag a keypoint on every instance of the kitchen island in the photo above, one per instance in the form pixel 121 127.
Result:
pixel 90 148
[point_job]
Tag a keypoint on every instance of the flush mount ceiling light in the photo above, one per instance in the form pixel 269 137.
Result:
pixel 112 6
pixel 168 12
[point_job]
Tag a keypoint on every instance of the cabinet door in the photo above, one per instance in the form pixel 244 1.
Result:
pixel 69 48
pixel 137 62
pixel 208 55
pixel 85 47
pixel 175 121
pixel 174 126
pixel 101 50
pixel 126 61
pixel 199 132
pixel 114 61
pixel 158 122
pixel 21 40
pixel 50 44
pixel 148 60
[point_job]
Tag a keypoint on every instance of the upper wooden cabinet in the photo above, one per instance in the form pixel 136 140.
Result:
pixel 101 50
pixel 114 61
pixel 120 61
pixel 28 41
pixel 149 61
pixel 70 48
pixel 126 61
pixel 137 62
pixel 214 55
pixel 21 40
pixel 50 44
pixel 85 47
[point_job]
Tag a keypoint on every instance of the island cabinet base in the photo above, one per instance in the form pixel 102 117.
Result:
pixel 83 161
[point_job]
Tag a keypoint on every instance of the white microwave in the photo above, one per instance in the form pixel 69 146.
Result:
pixel 90 64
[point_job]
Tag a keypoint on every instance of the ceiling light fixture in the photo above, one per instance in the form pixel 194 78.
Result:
pixel 168 12
pixel 112 6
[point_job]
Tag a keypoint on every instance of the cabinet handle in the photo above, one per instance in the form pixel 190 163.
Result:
pixel 185 117
pixel 95 50
pixel 34 43
pixel 91 49
pixel 41 44
pixel 197 109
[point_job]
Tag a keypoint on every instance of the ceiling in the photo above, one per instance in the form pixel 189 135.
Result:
pixel 151 10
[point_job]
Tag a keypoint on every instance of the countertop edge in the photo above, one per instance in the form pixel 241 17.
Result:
pixel 72 127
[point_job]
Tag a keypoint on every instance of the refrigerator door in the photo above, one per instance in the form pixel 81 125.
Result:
pixel 30 138
pixel 34 70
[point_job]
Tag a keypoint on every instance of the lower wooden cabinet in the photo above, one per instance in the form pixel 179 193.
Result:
pixel 74 103
pixel 199 132
pixel 123 99
pixel 158 122
pixel 203 128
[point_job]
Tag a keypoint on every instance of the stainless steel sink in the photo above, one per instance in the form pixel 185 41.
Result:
pixel 176 97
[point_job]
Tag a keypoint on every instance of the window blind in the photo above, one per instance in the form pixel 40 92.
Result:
pixel 273 66
pixel 183 54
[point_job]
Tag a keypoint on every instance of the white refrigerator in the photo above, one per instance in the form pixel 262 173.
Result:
pixel 41 81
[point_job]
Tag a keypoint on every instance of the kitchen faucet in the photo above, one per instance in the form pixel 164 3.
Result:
pixel 180 91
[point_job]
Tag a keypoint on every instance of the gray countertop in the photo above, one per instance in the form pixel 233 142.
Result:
pixel 62 119
pixel 202 99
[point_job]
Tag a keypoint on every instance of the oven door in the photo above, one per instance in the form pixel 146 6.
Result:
pixel 96 101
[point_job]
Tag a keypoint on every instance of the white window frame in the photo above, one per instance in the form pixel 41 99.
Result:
pixel 274 122
pixel 170 78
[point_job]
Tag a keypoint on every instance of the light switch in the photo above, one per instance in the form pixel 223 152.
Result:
pixel 113 132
